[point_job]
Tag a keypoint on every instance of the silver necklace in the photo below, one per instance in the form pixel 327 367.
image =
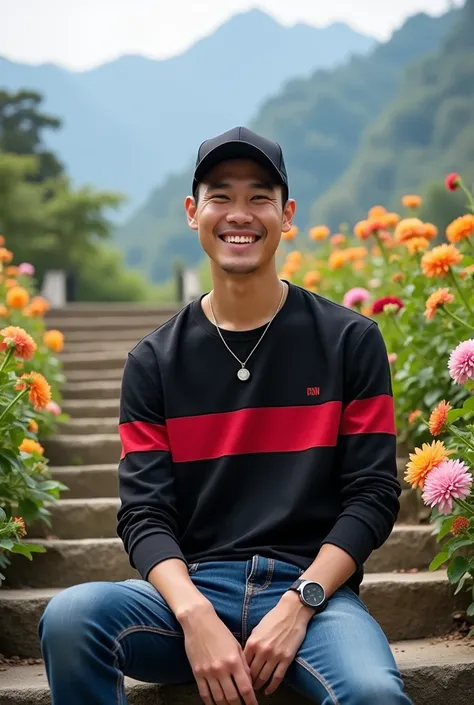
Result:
pixel 244 374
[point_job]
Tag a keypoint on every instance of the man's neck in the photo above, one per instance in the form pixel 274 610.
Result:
pixel 244 302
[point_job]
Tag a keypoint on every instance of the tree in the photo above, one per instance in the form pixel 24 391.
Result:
pixel 21 128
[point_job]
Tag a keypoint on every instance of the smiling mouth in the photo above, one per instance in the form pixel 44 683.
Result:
pixel 239 239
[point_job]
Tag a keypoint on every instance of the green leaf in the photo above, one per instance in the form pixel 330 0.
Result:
pixel 457 568
pixel 454 415
pixel 445 527
pixel 438 560
pixel 26 549
pixel 459 543
pixel 470 610
pixel 6 543
pixel 3 516
pixel 468 404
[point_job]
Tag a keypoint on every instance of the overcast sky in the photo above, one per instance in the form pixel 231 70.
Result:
pixel 80 34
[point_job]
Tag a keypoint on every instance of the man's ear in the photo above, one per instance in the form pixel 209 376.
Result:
pixel 191 211
pixel 288 215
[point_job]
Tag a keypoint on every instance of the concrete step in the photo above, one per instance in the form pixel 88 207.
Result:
pixel 70 561
pixel 74 449
pixel 432 671
pixel 120 324
pixel 93 390
pixel 93 375
pixel 94 310
pixel 406 607
pixel 98 360
pixel 96 517
pixel 84 408
pixel 88 481
pixel 85 426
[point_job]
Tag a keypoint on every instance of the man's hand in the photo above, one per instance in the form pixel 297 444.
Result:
pixel 275 641
pixel 217 660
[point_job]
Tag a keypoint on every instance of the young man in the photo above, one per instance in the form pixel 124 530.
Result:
pixel 257 474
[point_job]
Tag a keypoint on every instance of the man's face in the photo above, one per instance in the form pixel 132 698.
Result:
pixel 239 216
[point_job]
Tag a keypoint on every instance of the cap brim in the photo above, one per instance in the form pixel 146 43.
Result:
pixel 235 150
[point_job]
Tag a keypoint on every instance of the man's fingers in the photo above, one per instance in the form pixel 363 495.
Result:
pixel 216 689
pixel 204 691
pixel 262 677
pixel 244 685
pixel 278 676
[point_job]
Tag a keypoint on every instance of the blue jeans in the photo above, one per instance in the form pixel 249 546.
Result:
pixel 93 634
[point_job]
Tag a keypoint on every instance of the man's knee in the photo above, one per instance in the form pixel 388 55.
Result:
pixel 71 614
pixel 376 688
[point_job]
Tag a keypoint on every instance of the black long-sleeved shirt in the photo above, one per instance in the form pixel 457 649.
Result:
pixel 301 454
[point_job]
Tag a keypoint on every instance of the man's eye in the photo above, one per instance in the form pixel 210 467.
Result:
pixel 261 195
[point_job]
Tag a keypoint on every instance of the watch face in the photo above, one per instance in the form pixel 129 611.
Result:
pixel 313 594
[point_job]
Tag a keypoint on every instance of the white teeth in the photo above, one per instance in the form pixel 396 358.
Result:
pixel 239 239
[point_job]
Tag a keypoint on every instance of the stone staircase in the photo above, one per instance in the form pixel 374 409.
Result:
pixel 416 609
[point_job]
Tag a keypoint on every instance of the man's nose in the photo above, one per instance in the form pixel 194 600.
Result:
pixel 239 215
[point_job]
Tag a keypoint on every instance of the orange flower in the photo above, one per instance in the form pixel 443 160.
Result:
pixel 414 416
pixel 39 389
pixel 17 297
pixel 3 311
pixel 366 310
pixel 311 279
pixel 376 212
pixel 22 343
pixel 465 272
pixel 359 265
pixel 430 231
pixel 409 228
pixel 338 239
pixel 437 262
pixel 54 339
pixel 460 525
pixel 294 256
pixel 38 306
pixel 291 234
pixel 33 426
pixel 337 259
pixel 319 232
pixel 423 460
pixel 398 277
pixel 9 283
pixel 390 220
pixel 284 274
pixel 361 229
pixel 438 298
pixel 439 417
pixel 291 266
pixel 28 445
pixel 417 244
pixel 12 271
pixel 462 227
pixel 2 240
pixel 5 255
pixel 411 200
pixel 20 526
pixel 355 253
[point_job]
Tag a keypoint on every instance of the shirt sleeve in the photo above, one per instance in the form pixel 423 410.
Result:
pixel 367 451
pixel 147 517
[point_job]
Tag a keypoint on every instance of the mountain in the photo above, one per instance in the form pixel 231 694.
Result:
pixel 424 133
pixel 319 121
pixel 132 121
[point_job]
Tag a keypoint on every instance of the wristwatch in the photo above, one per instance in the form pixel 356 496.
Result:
pixel 311 594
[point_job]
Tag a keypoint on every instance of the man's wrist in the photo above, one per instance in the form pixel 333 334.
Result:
pixel 291 599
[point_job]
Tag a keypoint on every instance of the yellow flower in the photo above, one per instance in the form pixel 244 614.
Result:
pixel 319 232
pixel 423 460
pixel 411 200
pixel 437 262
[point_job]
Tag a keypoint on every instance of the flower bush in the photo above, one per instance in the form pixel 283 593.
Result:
pixel 418 284
pixel 30 381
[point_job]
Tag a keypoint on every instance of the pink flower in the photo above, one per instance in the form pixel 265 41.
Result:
pixel 53 408
pixel 355 296
pixel 26 268
pixel 447 481
pixel 392 358
pixel 461 362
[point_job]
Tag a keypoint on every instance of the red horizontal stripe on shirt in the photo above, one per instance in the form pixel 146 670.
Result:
pixel 142 436
pixel 256 430
pixel 372 415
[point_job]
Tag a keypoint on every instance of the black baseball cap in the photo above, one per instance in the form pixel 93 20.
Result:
pixel 240 143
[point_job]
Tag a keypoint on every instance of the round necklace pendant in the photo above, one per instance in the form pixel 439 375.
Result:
pixel 243 374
